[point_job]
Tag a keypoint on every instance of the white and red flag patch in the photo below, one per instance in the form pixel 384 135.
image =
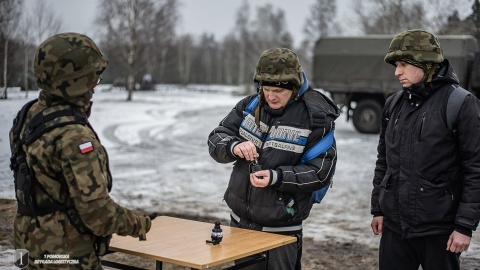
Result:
pixel 86 147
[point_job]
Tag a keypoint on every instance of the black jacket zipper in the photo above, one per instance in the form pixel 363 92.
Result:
pixel 249 190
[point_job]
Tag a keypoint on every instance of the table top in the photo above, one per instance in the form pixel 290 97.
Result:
pixel 183 242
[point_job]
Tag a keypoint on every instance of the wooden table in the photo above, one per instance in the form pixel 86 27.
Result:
pixel 183 242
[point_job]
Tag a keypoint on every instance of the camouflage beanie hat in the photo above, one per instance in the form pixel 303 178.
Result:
pixel 411 62
pixel 416 47
pixel 68 65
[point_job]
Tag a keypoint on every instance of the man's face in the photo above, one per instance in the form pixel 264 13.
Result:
pixel 408 74
pixel 276 97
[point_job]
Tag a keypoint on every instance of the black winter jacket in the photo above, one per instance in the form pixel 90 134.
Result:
pixel 285 138
pixel 427 180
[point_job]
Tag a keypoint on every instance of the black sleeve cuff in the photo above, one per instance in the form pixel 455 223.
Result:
pixel 230 146
pixel 463 230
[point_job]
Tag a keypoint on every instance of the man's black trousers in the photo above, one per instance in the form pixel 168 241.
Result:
pixel 408 254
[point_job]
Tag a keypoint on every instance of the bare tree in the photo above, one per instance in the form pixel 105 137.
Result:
pixel 25 33
pixel 389 16
pixel 42 22
pixel 207 52
pixel 269 30
pixel 219 74
pixel 231 47
pixel 10 11
pixel 394 16
pixel 243 14
pixel 475 19
pixel 125 22
pixel 456 26
pixel 467 26
pixel 440 12
pixel 160 35
pixel 251 39
pixel 37 25
pixel 185 45
pixel 320 23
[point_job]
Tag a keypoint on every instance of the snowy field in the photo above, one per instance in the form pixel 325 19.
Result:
pixel 159 160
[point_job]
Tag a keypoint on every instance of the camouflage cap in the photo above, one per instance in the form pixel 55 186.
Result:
pixel 68 65
pixel 416 45
pixel 279 65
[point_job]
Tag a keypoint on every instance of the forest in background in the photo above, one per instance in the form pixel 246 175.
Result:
pixel 140 37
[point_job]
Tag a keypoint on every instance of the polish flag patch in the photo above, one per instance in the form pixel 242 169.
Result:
pixel 86 147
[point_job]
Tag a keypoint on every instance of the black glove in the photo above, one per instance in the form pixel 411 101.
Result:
pixel 153 215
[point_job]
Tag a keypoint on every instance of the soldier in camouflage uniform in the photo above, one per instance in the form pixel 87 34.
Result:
pixel 70 165
pixel 270 189
pixel 426 188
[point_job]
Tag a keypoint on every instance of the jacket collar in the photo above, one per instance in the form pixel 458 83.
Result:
pixel 419 92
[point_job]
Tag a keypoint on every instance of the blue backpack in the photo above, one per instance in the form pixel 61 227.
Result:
pixel 323 145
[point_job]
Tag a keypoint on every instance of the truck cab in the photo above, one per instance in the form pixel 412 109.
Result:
pixel 353 71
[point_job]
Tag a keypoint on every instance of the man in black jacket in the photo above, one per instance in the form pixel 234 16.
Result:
pixel 266 135
pixel 426 188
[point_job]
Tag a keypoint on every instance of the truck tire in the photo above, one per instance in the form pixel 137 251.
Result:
pixel 367 116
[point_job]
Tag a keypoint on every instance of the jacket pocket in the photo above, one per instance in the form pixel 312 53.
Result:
pixel 386 196
pixel 433 201
pixel 303 205
pixel 269 208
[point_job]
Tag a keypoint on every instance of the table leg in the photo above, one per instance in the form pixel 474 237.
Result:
pixel 257 259
pixel 266 260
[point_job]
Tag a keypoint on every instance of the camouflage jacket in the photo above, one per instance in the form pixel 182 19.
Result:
pixel 71 167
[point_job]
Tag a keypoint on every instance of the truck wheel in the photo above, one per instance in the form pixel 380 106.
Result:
pixel 367 116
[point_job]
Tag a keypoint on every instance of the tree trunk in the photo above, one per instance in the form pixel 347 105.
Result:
pixel 163 61
pixel 131 70
pixel 25 72
pixel 5 65
pixel 241 61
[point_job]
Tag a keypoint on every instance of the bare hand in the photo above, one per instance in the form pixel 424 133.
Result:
pixel 458 242
pixel 260 179
pixel 377 225
pixel 246 150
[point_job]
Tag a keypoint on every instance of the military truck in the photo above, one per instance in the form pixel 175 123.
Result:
pixel 353 71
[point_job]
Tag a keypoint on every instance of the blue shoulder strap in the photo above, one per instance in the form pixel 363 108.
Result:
pixel 251 105
pixel 323 145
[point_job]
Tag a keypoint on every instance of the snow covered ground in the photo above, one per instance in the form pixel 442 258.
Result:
pixel 159 160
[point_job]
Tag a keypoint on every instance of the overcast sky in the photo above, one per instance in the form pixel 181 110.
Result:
pixel 198 16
